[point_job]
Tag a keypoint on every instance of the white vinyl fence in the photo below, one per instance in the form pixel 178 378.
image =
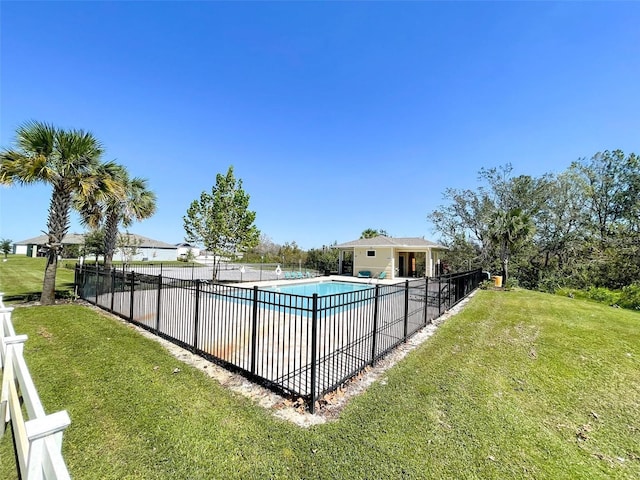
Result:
pixel 38 437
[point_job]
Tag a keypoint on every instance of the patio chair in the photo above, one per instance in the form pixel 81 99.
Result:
pixel 382 275
pixel 287 276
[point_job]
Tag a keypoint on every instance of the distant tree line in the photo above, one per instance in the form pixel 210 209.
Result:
pixel 579 228
pixel 291 255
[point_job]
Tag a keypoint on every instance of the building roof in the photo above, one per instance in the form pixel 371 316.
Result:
pixel 69 239
pixel 78 239
pixel 382 241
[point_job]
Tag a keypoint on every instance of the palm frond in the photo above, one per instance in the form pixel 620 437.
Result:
pixel 38 138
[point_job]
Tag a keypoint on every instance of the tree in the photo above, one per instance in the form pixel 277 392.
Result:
pixel 94 243
pixel 137 204
pixel 291 253
pixel 473 222
pixel 508 231
pixel 371 233
pixel 323 259
pixel 611 184
pixel 118 199
pixel 65 159
pixel 5 247
pixel 462 255
pixel 128 245
pixel 266 250
pixel 612 187
pixel 221 220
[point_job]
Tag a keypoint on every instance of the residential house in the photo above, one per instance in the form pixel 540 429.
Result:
pixel 396 257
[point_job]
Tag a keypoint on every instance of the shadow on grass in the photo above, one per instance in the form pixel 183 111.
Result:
pixel 63 293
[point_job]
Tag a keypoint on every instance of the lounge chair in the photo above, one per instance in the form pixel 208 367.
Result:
pixel 287 276
pixel 364 274
pixel 299 275
pixel 382 275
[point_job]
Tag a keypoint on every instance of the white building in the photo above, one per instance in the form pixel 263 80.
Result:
pixel 146 249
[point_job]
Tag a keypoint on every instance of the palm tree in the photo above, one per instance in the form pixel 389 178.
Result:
pixel 139 203
pixel 508 231
pixel 119 199
pixel 371 233
pixel 65 159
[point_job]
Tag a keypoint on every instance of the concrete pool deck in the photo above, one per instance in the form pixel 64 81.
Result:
pixel 323 278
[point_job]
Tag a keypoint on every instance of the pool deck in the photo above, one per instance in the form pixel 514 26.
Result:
pixel 324 278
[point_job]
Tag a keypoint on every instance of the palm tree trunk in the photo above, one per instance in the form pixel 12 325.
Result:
pixel 110 239
pixel 48 296
pixel 504 257
pixel 58 224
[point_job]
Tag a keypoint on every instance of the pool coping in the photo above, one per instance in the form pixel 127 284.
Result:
pixel 324 278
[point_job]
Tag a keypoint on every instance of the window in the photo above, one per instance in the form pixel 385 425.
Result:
pixel 371 253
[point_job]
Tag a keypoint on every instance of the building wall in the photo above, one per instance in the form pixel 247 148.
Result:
pixel 183 251
pixel 383 261
pixel 150 254
pixel 436 258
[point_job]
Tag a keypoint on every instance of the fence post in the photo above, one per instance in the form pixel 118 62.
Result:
pixel 374 347
pixel 113 287
pixel 314 352
pixel 449 292
pixel 254 331
pixel 439 296
pixel 133 280
pixel 97 280
pixel 406 309
pixel 426 300
pixel 196 320
pixel 158 303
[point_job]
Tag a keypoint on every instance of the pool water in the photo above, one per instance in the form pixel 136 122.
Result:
pixel 321 288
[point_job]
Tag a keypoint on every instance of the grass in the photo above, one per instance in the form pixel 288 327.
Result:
pixel 518 385
pixel 21 279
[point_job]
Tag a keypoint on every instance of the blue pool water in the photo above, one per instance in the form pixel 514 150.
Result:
pixel 321 288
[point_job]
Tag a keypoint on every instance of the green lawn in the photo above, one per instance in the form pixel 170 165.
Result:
pixel 21 278
pixel 518 385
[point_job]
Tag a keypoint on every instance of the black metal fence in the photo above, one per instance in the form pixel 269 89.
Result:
pixel 304 346
pixel 225 271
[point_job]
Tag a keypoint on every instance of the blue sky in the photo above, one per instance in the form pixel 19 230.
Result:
pixel 337 116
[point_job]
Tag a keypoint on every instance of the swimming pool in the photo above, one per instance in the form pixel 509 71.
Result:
pixel 321 288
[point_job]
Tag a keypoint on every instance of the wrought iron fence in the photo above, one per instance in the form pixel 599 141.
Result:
pixel 225 271
pixel 304 346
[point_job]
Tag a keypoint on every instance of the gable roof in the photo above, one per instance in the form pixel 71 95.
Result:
pixel 382 241
pixel 78 239
pixel 69 239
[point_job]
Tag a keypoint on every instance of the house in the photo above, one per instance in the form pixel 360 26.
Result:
pixel 37 246
pixel 184 248
pixel 137 247
pixel 397 257
pixel 146 249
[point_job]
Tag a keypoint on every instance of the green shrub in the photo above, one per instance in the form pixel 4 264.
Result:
pixel 630 296
pixel 512 282
pixel 550 284
pixel 603 295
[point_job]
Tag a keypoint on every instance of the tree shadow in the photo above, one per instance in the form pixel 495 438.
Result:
pixel 63 292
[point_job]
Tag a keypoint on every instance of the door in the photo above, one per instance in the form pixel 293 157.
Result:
pixel 401 265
